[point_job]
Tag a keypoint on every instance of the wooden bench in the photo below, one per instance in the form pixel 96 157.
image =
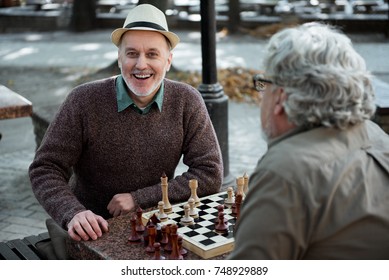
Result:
pixel 13 105
pixel 22 249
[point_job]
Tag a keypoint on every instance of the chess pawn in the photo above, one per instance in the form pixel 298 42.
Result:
pixel 220 209
pixel 192 208
pixel 167 207
pixel 221 226
pixel 187 219
pixel 193 189
pixel 161 214
pixel 230 197
pixel 157 252
pixel 152 233
pixel 135 236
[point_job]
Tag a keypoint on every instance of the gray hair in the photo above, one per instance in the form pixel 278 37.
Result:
pixel 325 79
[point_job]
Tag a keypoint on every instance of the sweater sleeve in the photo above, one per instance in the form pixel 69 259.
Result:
pixel 51 168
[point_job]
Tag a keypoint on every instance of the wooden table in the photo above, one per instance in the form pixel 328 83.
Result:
pixel 114 245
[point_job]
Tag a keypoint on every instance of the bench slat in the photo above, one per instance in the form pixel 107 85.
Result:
pixel 6 252
pixel 23 249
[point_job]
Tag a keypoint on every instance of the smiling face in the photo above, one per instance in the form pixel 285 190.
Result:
pixel 144 58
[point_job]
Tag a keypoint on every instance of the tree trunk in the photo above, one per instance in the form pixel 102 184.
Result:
pixel 233 15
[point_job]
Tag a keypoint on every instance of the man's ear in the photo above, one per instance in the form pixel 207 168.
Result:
pixel 280 99
pixel 169 61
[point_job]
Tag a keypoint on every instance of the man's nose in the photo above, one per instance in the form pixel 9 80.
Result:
pixel 141 62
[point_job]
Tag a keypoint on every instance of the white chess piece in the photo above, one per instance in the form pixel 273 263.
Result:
pixel 193 188
pixel 192 208
pixel 161 214
pixel 230 197
pixel 186 219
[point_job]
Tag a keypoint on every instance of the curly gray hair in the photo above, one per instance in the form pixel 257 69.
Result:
pixel 324 77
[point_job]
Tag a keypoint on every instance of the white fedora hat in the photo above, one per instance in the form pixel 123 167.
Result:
pixel 145 17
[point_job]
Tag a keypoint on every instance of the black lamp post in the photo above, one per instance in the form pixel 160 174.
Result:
pixel 212 92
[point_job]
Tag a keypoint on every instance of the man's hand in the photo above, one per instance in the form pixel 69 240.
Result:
pixel 121 204
pixel 87 225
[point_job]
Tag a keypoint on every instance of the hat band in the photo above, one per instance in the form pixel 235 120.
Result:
pixel 145 24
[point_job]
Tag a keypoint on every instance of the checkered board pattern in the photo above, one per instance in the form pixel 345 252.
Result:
pixel 201 237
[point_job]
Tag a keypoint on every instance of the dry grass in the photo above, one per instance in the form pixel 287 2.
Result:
pixel 236 82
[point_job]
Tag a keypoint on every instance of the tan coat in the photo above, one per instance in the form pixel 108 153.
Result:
pixel 319 194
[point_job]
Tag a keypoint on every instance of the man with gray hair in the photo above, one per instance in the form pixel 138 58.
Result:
pixel 321 191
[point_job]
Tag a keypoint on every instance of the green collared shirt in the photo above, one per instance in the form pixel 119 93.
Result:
pixel 124 100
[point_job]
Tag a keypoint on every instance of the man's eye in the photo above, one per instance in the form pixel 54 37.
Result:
pixel 153 54
pixel 131 54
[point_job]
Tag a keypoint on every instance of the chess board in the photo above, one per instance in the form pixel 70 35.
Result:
pixel 201 237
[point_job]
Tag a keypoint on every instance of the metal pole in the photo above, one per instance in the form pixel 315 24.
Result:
pixel 212 92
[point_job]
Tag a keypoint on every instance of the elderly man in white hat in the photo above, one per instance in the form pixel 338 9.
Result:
pixel 119 135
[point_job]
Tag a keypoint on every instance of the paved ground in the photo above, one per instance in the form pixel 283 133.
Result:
pixel 43 67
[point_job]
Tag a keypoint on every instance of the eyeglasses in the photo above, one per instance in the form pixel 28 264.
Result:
pixel 260 82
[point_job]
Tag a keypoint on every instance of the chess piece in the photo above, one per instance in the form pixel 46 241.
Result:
pixel 192 208
pixel 161 214
pixel 193 189
pixel 168 246
pixel 167 207
pixel 152 233
pixel 181 249
pixel 230 197
pixel 187 219
pixel 221 226
pixel 220 209
pixel 140 228
pixel 157 252
pixel 175 253
pixel 134 236
pixel 238 202
pixel 164 238
pixel 240 186
pixel 245 183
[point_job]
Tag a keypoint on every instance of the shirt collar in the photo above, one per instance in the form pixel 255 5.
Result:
pixel 124 100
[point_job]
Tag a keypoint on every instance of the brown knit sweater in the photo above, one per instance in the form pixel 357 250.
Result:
pixel 111 152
